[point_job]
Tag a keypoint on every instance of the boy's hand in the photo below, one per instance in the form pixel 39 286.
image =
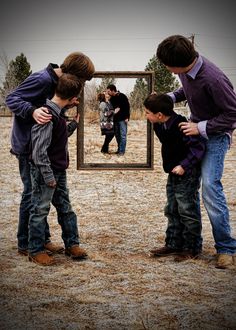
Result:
pixel 178 170
pixel 76 118
pixel 52 184
pixel 189 128
pixel 116 110
pixel 41 115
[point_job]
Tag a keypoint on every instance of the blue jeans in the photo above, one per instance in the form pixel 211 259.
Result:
pixel 42 197
pixel 183 212
pixel 25 204
pixel 213 196
pixel 120 128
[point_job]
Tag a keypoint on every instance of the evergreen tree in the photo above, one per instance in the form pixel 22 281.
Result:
pixel 138 95
pixel 17 71
pixel 164 81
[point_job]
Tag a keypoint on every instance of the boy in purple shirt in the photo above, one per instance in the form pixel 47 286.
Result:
pixel 212 101
pixel 26 103
pixel 181 156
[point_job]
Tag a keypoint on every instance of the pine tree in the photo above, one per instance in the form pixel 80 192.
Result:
pixel 138 94
pixel 164 81
pixel 17 71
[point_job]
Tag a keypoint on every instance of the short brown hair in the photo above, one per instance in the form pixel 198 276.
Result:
pixel 78 64
pixel 159 103
pixel 176 51
pixel 112 88
pixel 68 86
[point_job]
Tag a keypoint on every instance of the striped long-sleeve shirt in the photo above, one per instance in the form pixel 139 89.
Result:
pixel 50 143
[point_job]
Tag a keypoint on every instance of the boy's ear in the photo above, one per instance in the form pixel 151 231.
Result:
pixel 74 99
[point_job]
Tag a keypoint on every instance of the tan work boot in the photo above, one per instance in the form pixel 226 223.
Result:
pixel 54 248
pixel 42 259
pixel 75 252
pixel 224 261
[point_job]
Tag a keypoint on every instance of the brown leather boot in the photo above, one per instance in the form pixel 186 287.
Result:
pixel 186 255
pixel 75 252
pixel 42 259
pixel 54 248
pixel 23 252
pixel 164 251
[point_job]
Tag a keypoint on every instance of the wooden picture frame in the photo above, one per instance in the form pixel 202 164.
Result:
pixel 148 164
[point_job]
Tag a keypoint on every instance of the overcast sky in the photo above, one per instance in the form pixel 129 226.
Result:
pixel 116 35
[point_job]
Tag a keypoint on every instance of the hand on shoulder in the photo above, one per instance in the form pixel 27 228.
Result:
pixel 41 115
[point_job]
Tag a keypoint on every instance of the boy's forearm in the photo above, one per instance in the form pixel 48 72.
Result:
pixel 20 107
pixel 41 136
pixel 71 127
pixel 196 152
pixel 47 174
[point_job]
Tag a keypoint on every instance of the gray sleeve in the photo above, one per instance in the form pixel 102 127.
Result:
pixel 41 136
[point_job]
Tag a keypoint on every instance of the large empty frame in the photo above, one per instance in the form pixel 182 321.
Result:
pixel 81 164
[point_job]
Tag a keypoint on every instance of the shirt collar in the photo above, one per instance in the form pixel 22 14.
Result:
pixel 170 121
pixel 194 71
pixel 50 69
pixel 56 109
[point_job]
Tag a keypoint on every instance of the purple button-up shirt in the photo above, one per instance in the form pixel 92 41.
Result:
pixel 210 96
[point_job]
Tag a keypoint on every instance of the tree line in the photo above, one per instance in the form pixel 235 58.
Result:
pixel 19 69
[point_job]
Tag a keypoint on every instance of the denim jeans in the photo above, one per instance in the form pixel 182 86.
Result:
pixel 213 196
pixel 183 212
pixel 42 197
pixel 121 135
pixel 25 204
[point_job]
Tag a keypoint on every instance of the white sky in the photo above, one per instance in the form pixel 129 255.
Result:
pixel 121 35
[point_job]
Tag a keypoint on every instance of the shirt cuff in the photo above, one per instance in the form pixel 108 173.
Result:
pixel 31 111
pixel 202 128
pixel 185 164
pixel 172 95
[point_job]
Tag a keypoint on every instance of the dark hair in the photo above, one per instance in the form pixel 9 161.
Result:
pixel 68 86
pixel 101 97
pixel 159 103
pixel 112 87
pixel 78 64
pixel 176 51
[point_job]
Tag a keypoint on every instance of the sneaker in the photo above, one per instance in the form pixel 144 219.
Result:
pixel 23 252
pixel 75 252
pixel 42 259
pixel 164 251
pixel 54 248
pixel 224 261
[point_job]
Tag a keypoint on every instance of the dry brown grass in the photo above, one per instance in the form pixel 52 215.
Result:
pixel 120 216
